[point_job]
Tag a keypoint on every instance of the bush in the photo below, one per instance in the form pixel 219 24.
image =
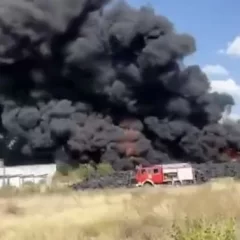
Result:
pixel 66 173
pixel 83 172
pixel 104 169
pixel 30 187
pixel 63 169
pixel 201 229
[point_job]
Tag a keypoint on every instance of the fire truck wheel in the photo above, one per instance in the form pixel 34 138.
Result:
pixel 147 184
pixel 187 182
pixel 177 183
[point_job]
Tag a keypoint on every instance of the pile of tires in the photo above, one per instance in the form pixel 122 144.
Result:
pixel 113 180
pixel 207 171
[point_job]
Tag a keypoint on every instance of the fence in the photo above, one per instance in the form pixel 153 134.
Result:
pixel 18 180
pixel 18 175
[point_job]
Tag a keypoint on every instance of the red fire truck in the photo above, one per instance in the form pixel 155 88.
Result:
pixel 174 174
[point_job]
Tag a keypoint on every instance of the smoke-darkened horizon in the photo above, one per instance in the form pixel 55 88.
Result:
pixel 80 82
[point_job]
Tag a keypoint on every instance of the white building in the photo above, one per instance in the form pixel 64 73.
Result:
pixel 17 175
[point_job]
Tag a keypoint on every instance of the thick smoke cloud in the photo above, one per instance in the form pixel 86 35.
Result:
pixel 81 82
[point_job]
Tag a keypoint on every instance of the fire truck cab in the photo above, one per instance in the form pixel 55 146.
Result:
pixel 171 174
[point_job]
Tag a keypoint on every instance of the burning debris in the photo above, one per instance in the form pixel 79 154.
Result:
pixel 81 82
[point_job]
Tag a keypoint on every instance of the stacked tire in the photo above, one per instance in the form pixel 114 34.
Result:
pixel 114 180
pixel 207 171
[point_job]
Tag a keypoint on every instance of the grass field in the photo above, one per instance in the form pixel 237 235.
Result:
pixel 206 212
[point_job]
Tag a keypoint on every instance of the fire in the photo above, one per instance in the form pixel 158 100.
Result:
pixel 233 154
pixel 127 145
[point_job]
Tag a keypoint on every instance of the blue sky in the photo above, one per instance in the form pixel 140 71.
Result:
pixel 214 24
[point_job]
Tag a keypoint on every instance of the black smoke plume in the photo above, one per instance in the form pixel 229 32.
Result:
pixel 82 81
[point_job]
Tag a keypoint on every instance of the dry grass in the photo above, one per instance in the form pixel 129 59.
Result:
pixel 206 212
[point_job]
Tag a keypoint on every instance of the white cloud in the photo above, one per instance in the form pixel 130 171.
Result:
pixel 231 87
pixel 226 86
pixel 233 48
pixel 234 116
pixel 215 70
